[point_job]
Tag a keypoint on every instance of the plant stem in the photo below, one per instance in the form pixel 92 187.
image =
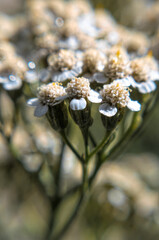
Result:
pixel 78 205
pixel 71 146
pixel 92 139
pixel 101 144
pixel 134 125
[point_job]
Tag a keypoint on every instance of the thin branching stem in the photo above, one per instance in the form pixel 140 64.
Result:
pixel 71 146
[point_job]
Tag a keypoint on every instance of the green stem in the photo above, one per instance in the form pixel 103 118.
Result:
pixel 134 125
pixel 85 138
pixel 92 139
pixel 71 146
pixel 101 144
pixel 78 205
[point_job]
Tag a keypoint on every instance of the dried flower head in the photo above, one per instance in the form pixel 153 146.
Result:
pixel 93 60
pixel 78 87
pixel 104 20
pixel 48 95
pixel 63 60
pixel 117 67
pixel 145 72
pixel 76 9
pixel 116 96
pixel 86 41
pixel 117 50
pixel 57 7
pixel 133 41
pixel 70 28
pixel 79 91
pixel 47 41
pixel 140 70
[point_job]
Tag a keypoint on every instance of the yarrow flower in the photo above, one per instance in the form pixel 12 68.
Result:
pixel 65 65
pixel 93 61
pixel 144 72
pixel 115 96
pixel 79 92
pixel 48 95
pixel 117 67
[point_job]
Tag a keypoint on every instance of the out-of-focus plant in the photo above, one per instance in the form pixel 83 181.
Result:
pixel 74 66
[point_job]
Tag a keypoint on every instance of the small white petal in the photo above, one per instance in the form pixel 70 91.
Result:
pixel 31 76
pixel 154 76
pixel 100 78
pixel 126 82
pixel 61 98
pixel 133 83
pixel 146 87
pixel 113 38
pixel 76 71
pixel 40 110
pixel 44 75
pixel 72 42
pixel 89 76
pixel 3 79
pixel 78 104
pixel 94 97
pixel 134 106
pixel 33 102
pixel 107 110
pixel 13 84
pixel 100 67
pixel 61 76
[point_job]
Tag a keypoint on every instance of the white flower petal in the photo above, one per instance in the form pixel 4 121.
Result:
pixel 89 76
pixel 113 38
pixel 94 97
pixel 78 104
pixel 133 83
pixel 13 83
pixel 61 98
pixel 62 76
pixel 100 66
pixel 3 79
pixel 33 102
pixel 76 71
pixel 40 110
pixel 154 76
pixel 72 42
pixel 107 110
pixel 134 106
pixel 146 87
pixel 44 75
pixel 31 76
pixel 126 82
pixel 100 78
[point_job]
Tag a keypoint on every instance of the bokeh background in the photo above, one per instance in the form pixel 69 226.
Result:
pixel 133 178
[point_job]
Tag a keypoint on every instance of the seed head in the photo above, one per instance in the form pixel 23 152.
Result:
pixel 115 94
pixel 47 94
pixel 64 60
pixel 117 66
pixel 91 59
pixel 78 88
pixel 140 70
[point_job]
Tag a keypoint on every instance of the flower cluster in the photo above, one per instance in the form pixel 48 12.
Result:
pixel 82 72
pixel 95 59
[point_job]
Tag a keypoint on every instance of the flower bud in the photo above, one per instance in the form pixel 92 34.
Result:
pixel 57 116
